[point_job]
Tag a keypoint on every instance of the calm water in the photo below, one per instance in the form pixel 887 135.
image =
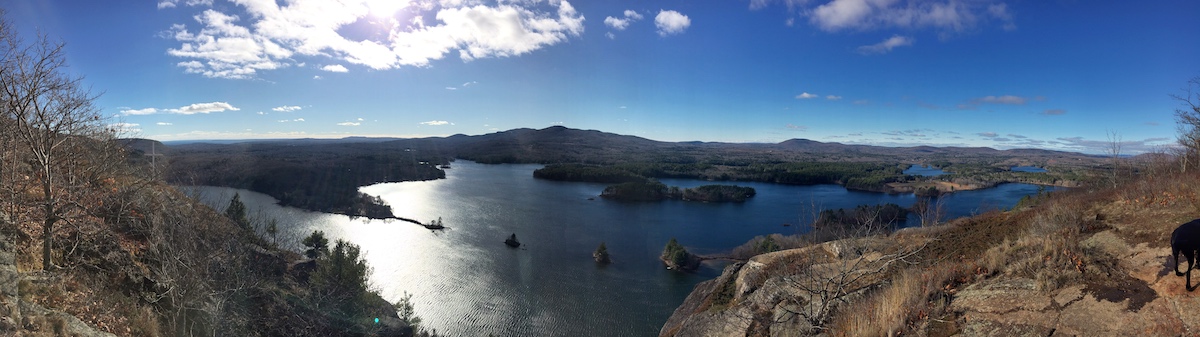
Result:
pixel 920 170
pixel 466 282
pixel 1033 169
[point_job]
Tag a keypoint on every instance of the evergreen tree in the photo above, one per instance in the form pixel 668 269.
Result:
pixel 317 245
pixel 767 245
pixel 406 311
pixel 676 254
pixel 272 230
pixel 341 280
pixel 601 254
pixel 236 211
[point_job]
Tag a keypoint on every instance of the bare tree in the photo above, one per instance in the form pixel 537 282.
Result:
pixel 52 117
pixel 1187 121
pixel 858 259
pixel 1114 151
pixel 930 211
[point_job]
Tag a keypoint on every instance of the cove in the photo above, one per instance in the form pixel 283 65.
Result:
pixel 466 282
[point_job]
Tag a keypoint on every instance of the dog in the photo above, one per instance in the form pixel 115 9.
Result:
pixel 1186 240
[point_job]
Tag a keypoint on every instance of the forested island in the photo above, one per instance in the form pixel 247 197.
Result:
pixel 321 177
pixel 656 191
pixel 325 174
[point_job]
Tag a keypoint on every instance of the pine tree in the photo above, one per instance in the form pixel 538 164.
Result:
pixel 236 211
pixel 601 254
pixel 317 245
pixel 272 230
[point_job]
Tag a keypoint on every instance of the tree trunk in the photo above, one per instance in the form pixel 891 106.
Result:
pixel 48 224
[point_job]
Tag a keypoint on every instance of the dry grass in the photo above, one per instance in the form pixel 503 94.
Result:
pixel 1041 242
pixel 906 302
pixel 885 311
pixel 1069 237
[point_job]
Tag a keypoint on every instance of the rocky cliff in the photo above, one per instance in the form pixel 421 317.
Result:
pixel 774 294
pixel 1083 263
pixel 20 316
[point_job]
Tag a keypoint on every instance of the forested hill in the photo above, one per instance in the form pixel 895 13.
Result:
pixel 560 144
pixel 324 174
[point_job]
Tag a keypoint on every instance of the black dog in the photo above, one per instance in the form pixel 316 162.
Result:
pixel 1186 240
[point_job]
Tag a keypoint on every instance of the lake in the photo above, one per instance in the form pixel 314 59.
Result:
pixel 1030 169
pixel 466 282
pixel 926 171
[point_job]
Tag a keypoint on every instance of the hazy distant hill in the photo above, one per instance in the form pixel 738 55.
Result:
pixel 561 144
pixel 309 172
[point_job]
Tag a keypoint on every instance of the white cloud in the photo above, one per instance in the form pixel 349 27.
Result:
pixel 146 111
pixel 227 49
pixel 291 120
pixel 286 108
pixel 437 123
pixel 1006 99
pixel 671 22
pixel 451 88
pixel 125 128
pixel 806 95
pixel 335 68
pixel 173 3
pixel 623 22
pixel 198 108
pixel 1000 11
pixel 947 16
pixel 1054 112
pixel 887 45
pixel 164 124
pixel 988 134
pixel 833 97
pixel 316 77
pixel 349 124
pixel 271 33
pixel 615 23
pixel 203 108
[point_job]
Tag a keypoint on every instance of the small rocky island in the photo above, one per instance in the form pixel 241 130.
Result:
pixel 512 241
pixel 656 191
pixel 678 258
pixel 601 255
pixel 435 224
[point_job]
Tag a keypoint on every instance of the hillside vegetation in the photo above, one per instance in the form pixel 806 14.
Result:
pixel 333 170
pixel 94 243
pixel 1088 261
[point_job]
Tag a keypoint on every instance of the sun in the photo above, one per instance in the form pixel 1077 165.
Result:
pixel 385 8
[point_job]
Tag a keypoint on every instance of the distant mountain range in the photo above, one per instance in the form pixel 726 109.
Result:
pixel 561 144
pixel 324 174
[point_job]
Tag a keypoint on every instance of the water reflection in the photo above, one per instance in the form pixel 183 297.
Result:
pixel 926 171
pixel 466 282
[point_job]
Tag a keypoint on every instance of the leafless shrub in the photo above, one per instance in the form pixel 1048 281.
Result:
pixel 861 258
pixel 51 116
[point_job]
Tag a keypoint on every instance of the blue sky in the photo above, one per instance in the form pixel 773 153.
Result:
pixel 1004 74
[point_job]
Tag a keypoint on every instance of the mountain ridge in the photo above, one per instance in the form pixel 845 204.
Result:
pixel 535 135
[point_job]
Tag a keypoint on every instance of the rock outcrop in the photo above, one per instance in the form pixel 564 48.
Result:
pixel 18 316
pixel 753 298
pixel 1134 293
